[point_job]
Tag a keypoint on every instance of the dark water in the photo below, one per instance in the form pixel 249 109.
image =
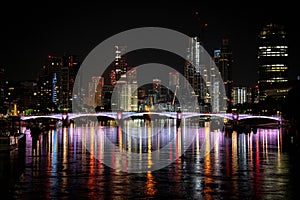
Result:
pixel 70 163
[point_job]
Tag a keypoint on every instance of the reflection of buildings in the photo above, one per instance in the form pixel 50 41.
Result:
pixel 272 61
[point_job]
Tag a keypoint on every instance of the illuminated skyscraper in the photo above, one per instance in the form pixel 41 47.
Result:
pixel 95 88
pixel 223 59
pixel 48 84
pixel 156 85
pixel 194 69
pixel 239 95
pixel 120 65
pixel 272 58
pixel 56 80
pixel 123 79
pixel 200 71
pixel 69 69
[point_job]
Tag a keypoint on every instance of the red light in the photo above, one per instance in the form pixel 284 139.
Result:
pixel 256 86
pixel 205 24
pixel 71 61
pixel 49 56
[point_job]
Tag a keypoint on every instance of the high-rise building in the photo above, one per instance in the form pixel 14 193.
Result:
pixel 272 59
pixel 48 85
pixel 194 71
pixel 120 65
pixel 156 85
pixel 69 68
pixel 123 78
pixel 2 88
pixel 239 95
pixel 94 98
pixel 200 71
pixel 224 60
pixel 27 89
pixel 56 80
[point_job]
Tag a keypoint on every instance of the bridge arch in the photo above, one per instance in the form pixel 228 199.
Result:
pixel 277 118
pixel 137 114
pixel 24 118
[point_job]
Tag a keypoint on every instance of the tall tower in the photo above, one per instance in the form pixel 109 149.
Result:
pixel 120 65
pixel 56 80
pixel 224 60
pixel 272 58
pixel 95 90
pixel 124 78
pixel 69 69
pixel 194 69
pixel 48 83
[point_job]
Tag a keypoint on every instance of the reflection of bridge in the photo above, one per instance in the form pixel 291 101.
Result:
pixel 124 115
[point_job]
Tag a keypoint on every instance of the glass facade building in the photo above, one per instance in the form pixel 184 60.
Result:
pixel 272 58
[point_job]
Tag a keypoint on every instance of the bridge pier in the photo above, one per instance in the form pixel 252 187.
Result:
pixel 119 115
pixel 178 118
pixel 65 119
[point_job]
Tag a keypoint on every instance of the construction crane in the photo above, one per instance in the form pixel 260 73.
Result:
pixel 173 101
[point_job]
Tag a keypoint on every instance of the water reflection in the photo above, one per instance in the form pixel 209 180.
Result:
pixel 72 163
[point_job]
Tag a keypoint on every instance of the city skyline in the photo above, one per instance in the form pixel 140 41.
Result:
pixel 37 32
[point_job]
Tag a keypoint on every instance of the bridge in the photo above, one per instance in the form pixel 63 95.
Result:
pixel 125 115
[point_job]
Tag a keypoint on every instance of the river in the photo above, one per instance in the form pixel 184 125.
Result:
pixel 112 162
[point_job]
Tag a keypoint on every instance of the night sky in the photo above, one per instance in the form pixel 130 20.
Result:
pixel 31 32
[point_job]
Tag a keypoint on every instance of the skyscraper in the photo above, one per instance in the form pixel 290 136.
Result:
pixel 94 98
pixel 48 83
pixel 123 79
pixel 69 69
pixel 200 71
pixel 120 65
pixel 272 58
pixel 224 60
pixel 56 80
pixel 193 70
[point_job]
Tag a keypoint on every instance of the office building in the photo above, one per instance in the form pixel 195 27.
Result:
pixel 272 60
pixel 224 60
